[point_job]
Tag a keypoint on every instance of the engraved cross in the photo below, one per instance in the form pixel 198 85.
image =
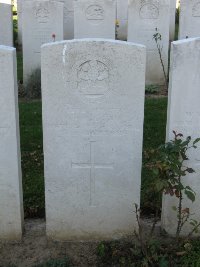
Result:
pixel 92 166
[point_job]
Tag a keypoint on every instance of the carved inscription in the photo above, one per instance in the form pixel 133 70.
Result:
pixel 149 9
pixel 93 78
pixel 92 165
pixel 196 10
pixel 41 36
pixel 42 14
pixel 95 12
pixel 68 13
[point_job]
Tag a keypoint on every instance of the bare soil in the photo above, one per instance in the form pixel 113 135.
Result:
pixel 36 249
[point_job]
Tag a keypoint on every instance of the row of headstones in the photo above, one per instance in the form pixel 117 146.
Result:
pixel 190 10
pixel 93 110
pixel 121 15
pixel 42 22
pixel 189 16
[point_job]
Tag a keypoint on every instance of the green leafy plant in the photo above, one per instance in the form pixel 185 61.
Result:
pixel 167 164
pixel 191 257
pixel 151 249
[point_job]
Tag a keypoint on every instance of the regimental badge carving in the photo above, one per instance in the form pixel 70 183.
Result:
pixel 95 12
pixel 196 10
pixel 42 14
pixel 93 79
pixel 149 10
pixel 68 13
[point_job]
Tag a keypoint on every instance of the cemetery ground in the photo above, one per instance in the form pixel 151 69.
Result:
pixel 36 250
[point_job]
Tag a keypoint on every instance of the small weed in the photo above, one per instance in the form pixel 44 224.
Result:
pixel 158 39
pixel 151 89
pixel 192 256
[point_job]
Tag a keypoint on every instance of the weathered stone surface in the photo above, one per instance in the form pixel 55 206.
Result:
pixel 40 21
pixel 184 117
pixel 11 207
pixel 68 19
pixel 189 24
pixel 172 19
pixel 93 127
pixel 94 19
pixel 122 17
pixel 19 21
pixel 146 18
pixel 6 23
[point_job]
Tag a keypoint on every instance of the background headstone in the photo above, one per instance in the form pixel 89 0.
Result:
pixel 92 137
pixel 146 18
pixel 94 19
pixel 6 23
pixel 19 21
pixel 184 117
pixel 122 17
pixel 68 19
pixel 11 200
pixel 40 21
pixel 189 22
pixel 172 26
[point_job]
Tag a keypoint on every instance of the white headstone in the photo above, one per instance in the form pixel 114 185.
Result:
pixel 184 117
pixel 94 18
pixel 19 21
pixel 68 19
pixel 122 18
pixel 146 18
pixel 189 23
pixel 172 26
pixel 42 22
pixel 92 137
pixel 11 207
pixel 6 23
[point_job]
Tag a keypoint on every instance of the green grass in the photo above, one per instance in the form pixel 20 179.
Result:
pixel 154 122
pixel 176 32
pixel 154 135
pixel 32 157
pixel 19 66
